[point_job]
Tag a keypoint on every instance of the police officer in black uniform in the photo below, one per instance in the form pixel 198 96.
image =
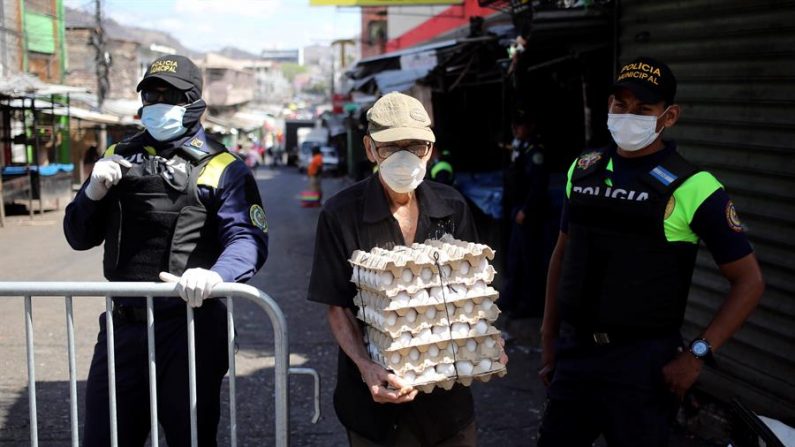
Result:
pixel 620 275
pixel 526 207
pixel 168 203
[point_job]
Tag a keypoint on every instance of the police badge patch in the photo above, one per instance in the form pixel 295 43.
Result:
pixel 258 219
pixel 588 160
pixel 732 219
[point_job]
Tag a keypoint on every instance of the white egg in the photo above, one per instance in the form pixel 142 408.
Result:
pixel 409 376
pixel 421 297
pixel 426 274
pixel 482 264
pixel 463 268
pixel 391 318
pixel 442 331
pixel 486 304
pixel 425 335
pixel 406 276
pixel 460 329
pixel 414 354
pixel 484 365
pixel 356 274
pixel 480 286
pixel 427 375
pixel 482 327
pixel 404 339
pixel 472 346
pixel 463 367
pixel 433 351
pixel 469 306
pixel 402 299
pixel 386 278
pixel 446 271
pixel 436 294
pixel 411 315
pixel 394 358
pixel 490 342
pixel 445 369
pixel 430 313
pixel 451 309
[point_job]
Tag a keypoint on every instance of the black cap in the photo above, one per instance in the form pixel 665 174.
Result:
pixel 648 79
pixel 178 71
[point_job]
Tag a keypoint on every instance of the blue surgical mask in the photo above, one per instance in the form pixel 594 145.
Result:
pixel 163 121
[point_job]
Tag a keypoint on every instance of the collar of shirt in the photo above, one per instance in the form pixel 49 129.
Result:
pixel 376 205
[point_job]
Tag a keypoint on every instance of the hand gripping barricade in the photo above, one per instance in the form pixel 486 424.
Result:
pixel 150 290
pixel 429 311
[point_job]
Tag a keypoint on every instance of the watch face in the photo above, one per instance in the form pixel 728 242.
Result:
pixel 699 348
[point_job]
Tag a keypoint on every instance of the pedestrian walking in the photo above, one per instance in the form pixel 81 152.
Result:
pixel 169 203
pixel 620 274
pixel 314 172
pixel 392 207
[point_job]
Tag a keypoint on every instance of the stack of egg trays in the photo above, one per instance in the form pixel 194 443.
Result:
pixel 428 335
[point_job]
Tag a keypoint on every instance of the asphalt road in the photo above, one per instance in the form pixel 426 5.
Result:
pixel 507 409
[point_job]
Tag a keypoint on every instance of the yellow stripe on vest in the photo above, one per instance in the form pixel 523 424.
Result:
pixel 211 174
pixel 109 151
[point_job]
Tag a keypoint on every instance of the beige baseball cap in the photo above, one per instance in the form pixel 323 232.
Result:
pixel 396 116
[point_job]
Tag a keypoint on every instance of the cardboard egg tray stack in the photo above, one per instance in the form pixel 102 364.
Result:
pixel 430 329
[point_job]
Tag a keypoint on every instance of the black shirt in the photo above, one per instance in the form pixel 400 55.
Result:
pixel 358 218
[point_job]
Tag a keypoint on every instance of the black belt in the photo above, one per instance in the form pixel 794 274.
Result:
pixel 613 335
pixel 137 314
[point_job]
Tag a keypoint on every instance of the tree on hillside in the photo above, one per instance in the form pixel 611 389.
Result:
pixel 291 70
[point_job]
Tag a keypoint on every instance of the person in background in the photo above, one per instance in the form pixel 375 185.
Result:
pixel 168 203
pixel 526 206
pixel 441 168
pixel 314 171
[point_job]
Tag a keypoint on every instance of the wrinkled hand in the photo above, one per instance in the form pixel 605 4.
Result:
pixel 195 285
pixel 681 373
pixel 385 387
pixel 106 173
pixel 520 217
pixel 547 359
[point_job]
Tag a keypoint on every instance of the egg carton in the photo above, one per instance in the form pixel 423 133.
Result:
pixel 387 343
pixel 391 283
pixel 427 386
pixel 425 318
pixel 419 358
pixel 457 295
pixel 442 251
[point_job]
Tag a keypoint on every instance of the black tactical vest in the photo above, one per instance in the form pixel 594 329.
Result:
pixel 158 223
pixel 619 271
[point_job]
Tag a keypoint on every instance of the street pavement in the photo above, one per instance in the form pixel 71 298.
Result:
pixel 508 408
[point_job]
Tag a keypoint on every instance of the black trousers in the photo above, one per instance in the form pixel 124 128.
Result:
pixel 132 379
pixel 616 390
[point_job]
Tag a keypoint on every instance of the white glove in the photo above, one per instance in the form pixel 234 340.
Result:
pixel 194 285
pixel 106 173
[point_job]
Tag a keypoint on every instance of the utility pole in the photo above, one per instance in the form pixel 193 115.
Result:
pixel 102 56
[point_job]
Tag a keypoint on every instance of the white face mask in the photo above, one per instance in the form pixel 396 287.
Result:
pixel 402 171
pixel 633 132
pixel 163 121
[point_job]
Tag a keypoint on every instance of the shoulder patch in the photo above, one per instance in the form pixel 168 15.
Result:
pixel 257 215
pixel 538 158
pixel 732 219
pixel 587 160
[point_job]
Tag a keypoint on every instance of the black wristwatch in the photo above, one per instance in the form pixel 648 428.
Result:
pixel 701 349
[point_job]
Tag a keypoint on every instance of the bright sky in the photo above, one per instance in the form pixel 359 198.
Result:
pixel 251 25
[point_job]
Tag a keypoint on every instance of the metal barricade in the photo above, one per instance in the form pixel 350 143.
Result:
pixel 150 290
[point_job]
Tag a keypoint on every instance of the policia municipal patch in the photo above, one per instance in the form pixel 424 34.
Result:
pixel 258 219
